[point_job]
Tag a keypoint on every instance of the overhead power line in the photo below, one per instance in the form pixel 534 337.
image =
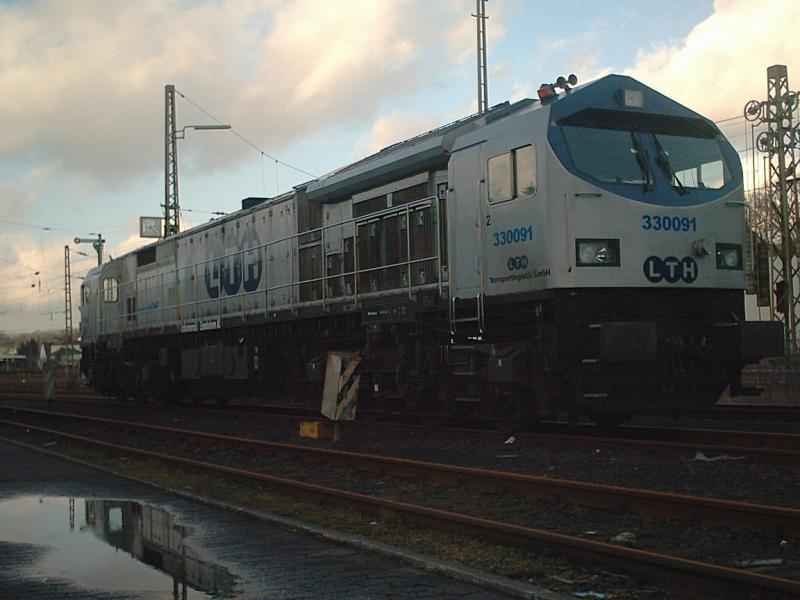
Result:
pixel 236 132
pixel 21 264
pixel 31 225
pixel 207 212
pixel 729 119
pixel 44 227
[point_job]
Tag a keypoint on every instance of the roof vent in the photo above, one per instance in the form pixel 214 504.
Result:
pixel 252 201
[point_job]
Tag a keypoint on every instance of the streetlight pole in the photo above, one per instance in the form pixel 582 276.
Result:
pixel 172 207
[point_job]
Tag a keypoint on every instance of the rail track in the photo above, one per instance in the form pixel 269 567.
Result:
pixel 642 502
pixel 751 411
pixel 767 447
pixel 651 504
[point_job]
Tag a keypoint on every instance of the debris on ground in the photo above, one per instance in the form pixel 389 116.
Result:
pixel 701 457
pixel 626 538
pixel 760 562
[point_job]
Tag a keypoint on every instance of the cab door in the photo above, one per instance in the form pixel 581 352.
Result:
pixel 465 233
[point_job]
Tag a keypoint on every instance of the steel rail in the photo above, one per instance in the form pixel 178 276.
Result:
pixel 749 411
pixel 768 447
pixel 61 394
pixel 666 567
pixel 735 513
pixel 721 438
pixel 771 447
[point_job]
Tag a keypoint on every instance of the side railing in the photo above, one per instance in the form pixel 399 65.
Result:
pixel 194 297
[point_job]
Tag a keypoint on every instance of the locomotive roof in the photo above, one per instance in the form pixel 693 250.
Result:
pixel 425 151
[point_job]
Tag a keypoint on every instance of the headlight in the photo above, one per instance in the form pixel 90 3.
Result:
pixel 597 253
pixel 729 257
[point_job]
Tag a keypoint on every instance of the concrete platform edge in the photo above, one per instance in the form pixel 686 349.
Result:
pixel 498 583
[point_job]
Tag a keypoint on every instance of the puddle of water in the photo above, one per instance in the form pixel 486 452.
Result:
pixel 112 545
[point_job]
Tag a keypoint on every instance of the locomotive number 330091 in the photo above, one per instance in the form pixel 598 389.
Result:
pixel 667 223
pixel 513 236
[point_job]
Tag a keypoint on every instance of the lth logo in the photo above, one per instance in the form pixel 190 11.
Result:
pixel 670 269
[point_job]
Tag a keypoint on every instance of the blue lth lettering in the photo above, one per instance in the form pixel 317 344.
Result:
pixel 670 269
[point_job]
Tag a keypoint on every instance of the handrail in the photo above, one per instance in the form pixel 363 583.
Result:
pixel 142 317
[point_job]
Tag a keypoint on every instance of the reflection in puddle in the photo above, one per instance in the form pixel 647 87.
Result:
pixel 112 545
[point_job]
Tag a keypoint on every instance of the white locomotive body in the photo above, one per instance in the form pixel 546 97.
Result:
pixel 583 252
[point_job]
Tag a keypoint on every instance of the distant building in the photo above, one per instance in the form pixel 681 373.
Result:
pixel 10 363
pixel 67 356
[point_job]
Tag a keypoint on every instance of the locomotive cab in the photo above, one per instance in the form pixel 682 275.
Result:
pixel 610 237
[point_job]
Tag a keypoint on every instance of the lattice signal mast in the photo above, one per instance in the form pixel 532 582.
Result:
pixel 67 299
pixel 483 84
pixel 172 207
pixel 780 143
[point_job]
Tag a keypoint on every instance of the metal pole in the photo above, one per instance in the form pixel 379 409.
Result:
pixel 787 244
pixel 478 49
pixel 480 34
pixel 355 263
pixel 408 251
pixel 483 56
pixel 172 212
pixel 67 299
pixel 98 247
pixel 324 267
pixel 783 216
pixel 767 210
pixel 438 226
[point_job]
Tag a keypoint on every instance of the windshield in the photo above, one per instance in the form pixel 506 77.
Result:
pixel 696 162
pixel 608 155
pixel 610 149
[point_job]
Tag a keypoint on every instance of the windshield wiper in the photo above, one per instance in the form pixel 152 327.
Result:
pixel 641 159
pixel 666 166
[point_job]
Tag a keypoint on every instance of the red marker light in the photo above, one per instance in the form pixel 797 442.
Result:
pixel 546 91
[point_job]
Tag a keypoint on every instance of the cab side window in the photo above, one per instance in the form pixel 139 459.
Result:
pixel 512 174
pixel 525 170
pixel 501 182
pixel 110 289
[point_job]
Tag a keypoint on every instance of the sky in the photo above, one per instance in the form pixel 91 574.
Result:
pixel 313 83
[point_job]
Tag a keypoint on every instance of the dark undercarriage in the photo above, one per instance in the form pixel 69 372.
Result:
pixel 604 351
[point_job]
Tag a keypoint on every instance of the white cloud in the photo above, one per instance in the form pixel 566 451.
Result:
pixel 32 275
pixel 722 62
pixel 396 127
pixel 82 108
pixel 87 78
pixel 29 300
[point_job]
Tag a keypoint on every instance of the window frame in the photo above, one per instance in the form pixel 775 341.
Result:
pixel 514 174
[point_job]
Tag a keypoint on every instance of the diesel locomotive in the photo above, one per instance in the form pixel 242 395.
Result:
pixel 583 253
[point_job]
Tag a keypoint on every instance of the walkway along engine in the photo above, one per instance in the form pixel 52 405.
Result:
pixel 581 253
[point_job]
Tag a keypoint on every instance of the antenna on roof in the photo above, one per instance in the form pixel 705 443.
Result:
pixel 483 84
